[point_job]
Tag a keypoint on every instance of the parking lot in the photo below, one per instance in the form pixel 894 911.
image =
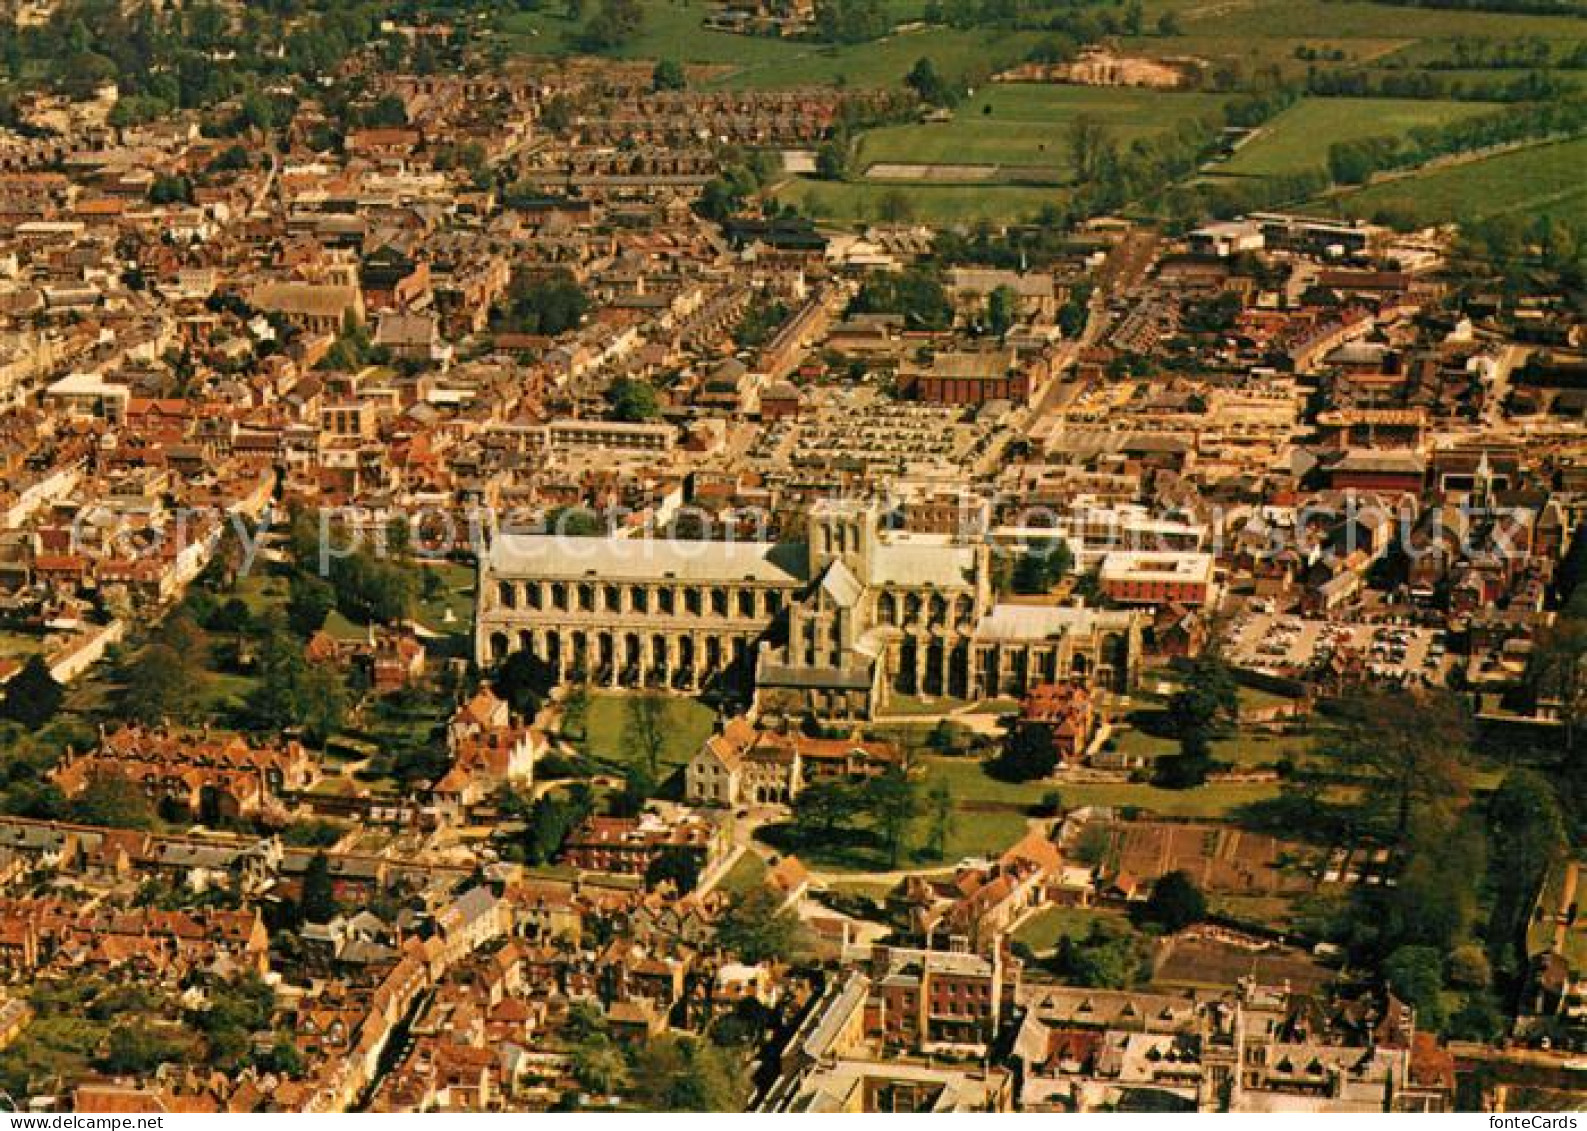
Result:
pixel 1290 645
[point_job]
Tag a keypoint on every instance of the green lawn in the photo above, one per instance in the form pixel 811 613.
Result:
pixel 260 590
pixel 969 782
pixel 1042 930
pixel 977 834
pixel 1024 124
pixel 1540 180
pixel 454 597
pixel 1217 800
pixel 1297 140
pixel 689 724
pixel 227 690
pixel 744 876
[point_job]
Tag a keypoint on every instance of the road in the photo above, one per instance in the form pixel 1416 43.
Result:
pixel 1511 357
pixel 1057 394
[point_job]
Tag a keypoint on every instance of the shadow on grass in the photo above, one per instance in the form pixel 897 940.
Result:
pixel 1153 722
pixel 845 849
pixel 1300 815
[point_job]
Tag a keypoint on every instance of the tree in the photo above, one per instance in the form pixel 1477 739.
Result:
pixel 892 800
pixel 374 590
pixel 1134 18
pixel 939 815
pixel 309 601
pixel 1175 903
pixel 1002 310
pixel 851 21
pixel 646 719
pixel 169 189
pixel 668 75
pixel 1435 902
pixel 599 1066
pixel 895 207
pixel 284 1058
pixel 1107 958
pixel 167 680
pixel 1093 845
pixel 675 1073
pixel 232 617
pixel 1043 564
pixel 1206 705
pixel 322 701
pixel 114 801
pixel 1469 968
pixel 924 80
pixel 319 903
pixel 634 400
pixel 675 865
pixel 1410 748
pixel 524 680
pixel 757 928
pixel 1528 833
pixel 134 1049
pixel 822 806
pixel 916 292
pixel 1028 754
pixel 33 696
pixel 1555 669
pixel 1088 142
pixel 551 818
pixel 548 304
pixel 614 24
pixel 576 711
pixel 832 160
pixel 1478 1019
pixel 1416 974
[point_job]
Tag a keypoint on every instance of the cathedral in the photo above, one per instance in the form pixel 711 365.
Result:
pixel 830 627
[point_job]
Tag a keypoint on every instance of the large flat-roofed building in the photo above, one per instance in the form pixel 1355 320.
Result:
pixel 610 435
pixel 831 626
pixel 1158 578
pixel 968 378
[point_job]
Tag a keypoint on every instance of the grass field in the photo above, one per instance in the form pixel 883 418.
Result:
pixel 1297 140
pixel 1242 20
pixel 1269 51
pixel 1541 180
pixel 673 30
pixel 1026 125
